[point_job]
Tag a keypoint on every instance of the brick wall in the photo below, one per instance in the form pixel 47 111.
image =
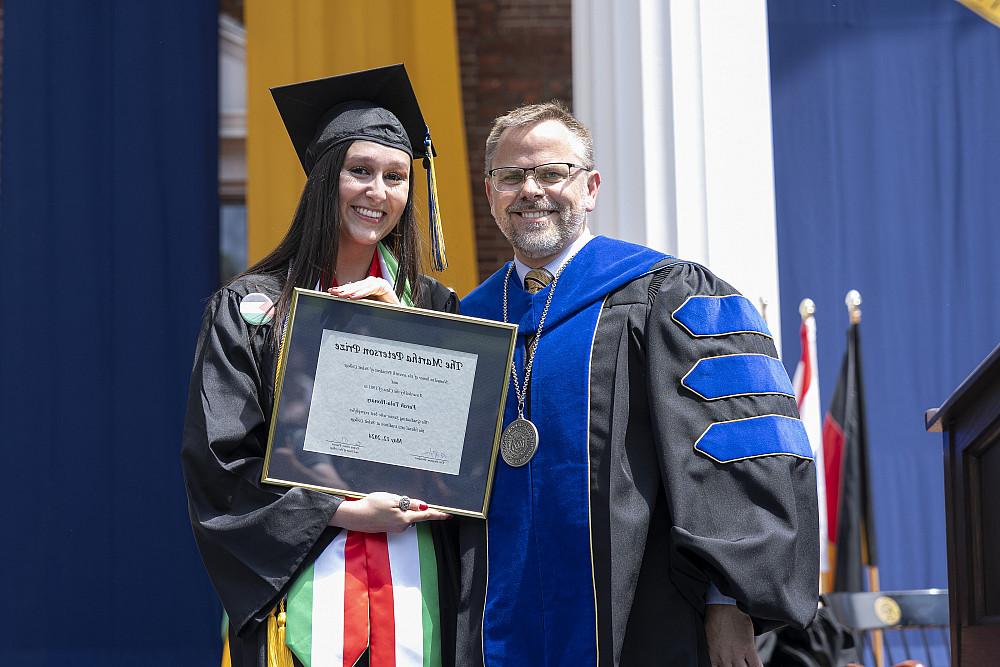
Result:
pixel 511 52
pixel 233 8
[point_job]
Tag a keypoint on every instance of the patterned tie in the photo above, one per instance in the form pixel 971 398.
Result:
pixel 536 280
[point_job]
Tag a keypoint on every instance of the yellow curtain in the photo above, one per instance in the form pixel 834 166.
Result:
pixel 296 40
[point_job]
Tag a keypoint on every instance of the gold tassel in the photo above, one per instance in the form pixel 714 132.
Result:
pixel 438 254
pixel 278 654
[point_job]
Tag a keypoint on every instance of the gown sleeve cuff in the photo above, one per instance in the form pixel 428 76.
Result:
pixel 714 596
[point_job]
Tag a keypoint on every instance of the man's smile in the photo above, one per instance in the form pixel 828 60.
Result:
pixel 534 214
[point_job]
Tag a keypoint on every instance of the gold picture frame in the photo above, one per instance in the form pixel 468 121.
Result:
pixel 371 396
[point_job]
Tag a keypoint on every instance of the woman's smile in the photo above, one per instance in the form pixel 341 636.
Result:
pixel 369 214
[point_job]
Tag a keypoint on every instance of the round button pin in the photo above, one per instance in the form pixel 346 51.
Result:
pixel 256 308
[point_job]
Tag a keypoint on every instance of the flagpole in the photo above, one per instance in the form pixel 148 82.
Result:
pixel 853 303
pixel 807 311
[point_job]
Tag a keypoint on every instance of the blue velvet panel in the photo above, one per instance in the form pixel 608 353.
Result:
pixel 109 220
pixel 720 316
pixel 769 435
pixel 713 378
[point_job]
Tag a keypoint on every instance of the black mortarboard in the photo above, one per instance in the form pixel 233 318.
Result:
pixel 372 105
pixel 375 105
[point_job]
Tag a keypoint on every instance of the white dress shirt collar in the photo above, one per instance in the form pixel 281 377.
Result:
pixel 557 261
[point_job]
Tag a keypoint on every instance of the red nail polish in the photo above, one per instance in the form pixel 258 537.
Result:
pixel 423 506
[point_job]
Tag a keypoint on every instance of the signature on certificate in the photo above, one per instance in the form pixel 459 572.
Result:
pixel 432 455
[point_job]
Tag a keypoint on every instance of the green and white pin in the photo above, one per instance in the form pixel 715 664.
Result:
pixel 257 308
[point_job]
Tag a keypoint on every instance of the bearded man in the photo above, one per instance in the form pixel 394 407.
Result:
pixel 656 502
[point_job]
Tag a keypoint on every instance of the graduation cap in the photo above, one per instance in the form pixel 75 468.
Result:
pixel 372 105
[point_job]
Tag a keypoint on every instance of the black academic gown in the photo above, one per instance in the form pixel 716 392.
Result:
pixel 255 538
pixel 652 520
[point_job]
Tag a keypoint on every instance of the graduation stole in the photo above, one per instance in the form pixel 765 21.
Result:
pixel 374 590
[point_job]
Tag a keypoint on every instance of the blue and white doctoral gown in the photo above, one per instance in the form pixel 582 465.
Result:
pixel 670 456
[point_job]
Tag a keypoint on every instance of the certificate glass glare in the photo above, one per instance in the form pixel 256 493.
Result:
pixel 371 397
pixel 408 404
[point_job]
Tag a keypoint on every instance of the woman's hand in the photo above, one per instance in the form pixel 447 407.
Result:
pixel 380 512
pixel 369 288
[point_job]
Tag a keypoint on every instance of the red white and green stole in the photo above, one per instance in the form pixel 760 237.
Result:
pixel 372 590
pixel 368 589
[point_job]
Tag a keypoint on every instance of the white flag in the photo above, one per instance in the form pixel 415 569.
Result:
pixel 806 382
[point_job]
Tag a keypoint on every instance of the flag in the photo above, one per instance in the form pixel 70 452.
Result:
pixel 848 486
pixel 806 383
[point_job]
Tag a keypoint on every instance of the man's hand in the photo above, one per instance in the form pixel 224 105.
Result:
pixel 730 637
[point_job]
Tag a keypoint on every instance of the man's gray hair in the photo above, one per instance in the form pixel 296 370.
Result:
pixel 535 113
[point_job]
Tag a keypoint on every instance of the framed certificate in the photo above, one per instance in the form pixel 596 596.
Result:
pixel 377 397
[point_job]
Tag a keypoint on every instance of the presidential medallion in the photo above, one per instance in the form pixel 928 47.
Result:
pixel 519 442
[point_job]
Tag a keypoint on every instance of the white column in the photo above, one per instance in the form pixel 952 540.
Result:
pixel 677 95
pixel 232 108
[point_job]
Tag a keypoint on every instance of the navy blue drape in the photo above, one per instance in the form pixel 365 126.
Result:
pixel 886 149
pixel 108 247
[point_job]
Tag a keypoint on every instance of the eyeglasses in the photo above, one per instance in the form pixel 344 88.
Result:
pixel 510 179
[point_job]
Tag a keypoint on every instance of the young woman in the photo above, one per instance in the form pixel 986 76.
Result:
pixel 354 234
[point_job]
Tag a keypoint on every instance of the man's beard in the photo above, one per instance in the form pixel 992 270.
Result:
pixel 536 241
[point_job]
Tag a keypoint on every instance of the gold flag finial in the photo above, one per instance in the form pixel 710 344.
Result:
pixel 853 301
pixel 807 308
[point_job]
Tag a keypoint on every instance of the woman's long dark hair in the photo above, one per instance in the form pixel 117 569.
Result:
pixel 308 253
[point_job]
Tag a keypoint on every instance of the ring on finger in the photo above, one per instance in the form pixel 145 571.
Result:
pixel 404 503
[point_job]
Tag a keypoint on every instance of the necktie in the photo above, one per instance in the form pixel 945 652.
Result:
pixel 536 280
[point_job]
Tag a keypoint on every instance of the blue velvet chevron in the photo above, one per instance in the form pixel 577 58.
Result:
pixel 737 375
pixel 720 316
pixel 769 435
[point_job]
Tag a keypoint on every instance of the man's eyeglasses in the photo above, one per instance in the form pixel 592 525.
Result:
pixel 510 179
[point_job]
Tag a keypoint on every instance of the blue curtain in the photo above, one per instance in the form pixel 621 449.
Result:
pixel 108 247
pixel 886 149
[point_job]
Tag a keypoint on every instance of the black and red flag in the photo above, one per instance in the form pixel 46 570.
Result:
pixel 845 449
